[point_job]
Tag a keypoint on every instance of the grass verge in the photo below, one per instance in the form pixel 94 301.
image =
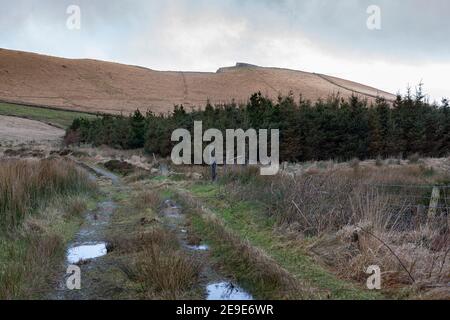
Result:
pixel 58 118
pixel 252 268
pixel 243 220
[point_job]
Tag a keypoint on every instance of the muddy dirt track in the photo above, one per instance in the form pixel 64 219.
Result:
pixel 90 249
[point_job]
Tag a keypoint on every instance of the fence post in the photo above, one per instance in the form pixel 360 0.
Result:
pixel 434 202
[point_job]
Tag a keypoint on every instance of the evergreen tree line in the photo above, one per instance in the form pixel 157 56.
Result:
pixel 327 129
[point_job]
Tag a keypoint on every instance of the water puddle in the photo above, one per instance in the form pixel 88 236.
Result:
pixel 170 204
pixel 202 247
pixel 86 252
pixel 226 291
pixel 171 209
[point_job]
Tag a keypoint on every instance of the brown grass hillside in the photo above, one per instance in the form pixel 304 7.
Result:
pixel 90 85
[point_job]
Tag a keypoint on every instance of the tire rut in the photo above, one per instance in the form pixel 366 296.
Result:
pixel 89 246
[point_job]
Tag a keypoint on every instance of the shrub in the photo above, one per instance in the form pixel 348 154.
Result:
pixel 72 137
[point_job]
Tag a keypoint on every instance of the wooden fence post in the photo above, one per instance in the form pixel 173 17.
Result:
pixel 434 202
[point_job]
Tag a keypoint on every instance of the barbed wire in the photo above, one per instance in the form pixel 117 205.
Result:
pixel 409 186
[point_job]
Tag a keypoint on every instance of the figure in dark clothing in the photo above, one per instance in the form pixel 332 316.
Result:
pixel 214 171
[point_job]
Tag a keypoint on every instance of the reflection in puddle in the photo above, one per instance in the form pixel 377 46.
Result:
pixel 86 252
pixel 170 204
pixel 226 291
pixel 202 247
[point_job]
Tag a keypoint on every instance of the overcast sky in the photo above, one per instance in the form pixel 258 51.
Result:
pixel 324 36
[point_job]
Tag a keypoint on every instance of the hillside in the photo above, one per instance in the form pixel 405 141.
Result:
pixel 98 86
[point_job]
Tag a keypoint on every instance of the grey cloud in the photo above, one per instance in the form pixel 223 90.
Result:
pixel 412 30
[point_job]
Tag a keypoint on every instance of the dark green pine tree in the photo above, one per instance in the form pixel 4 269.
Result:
pixel 375 142
pixel 443 142
pixel 137 131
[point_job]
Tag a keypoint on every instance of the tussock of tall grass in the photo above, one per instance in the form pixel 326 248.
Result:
pixel 146 199
pixel 26 185
pixel 29 254
pixel 159 266
pixel 166 274
pixel 25 273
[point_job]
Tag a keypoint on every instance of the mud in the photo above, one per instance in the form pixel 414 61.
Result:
pixel 87 250
pixel 121 167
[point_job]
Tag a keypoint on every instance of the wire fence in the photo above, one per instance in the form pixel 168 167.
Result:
pixel 411 205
